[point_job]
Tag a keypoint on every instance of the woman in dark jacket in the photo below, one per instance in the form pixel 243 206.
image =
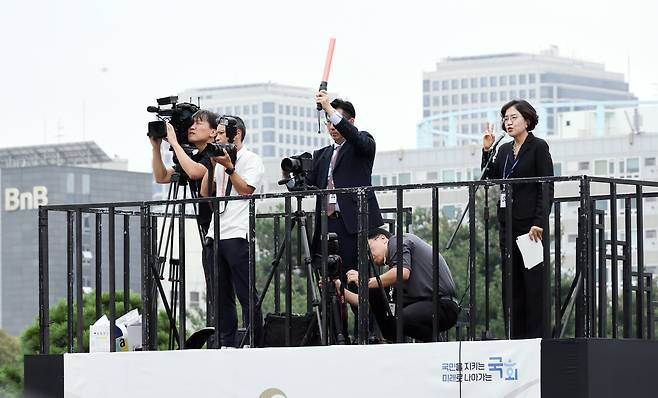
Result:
pixel 525 156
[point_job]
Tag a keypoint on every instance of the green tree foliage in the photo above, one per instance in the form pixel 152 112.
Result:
pixel 11 366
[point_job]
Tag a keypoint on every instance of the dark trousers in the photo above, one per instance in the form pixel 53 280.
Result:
pixel 233 268
pixel 416 316
pixel 526 285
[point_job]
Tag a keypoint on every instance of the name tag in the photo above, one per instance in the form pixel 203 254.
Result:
pixel 332 199
pixel 503 200
pixel 392 307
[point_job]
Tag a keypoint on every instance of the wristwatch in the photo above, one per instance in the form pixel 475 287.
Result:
pixel 229 170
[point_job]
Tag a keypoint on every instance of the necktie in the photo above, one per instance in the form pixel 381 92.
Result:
pixel 331 207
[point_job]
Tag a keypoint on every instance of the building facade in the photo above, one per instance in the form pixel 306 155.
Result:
pixel 483 83
pixel 72 176
pixel 281 120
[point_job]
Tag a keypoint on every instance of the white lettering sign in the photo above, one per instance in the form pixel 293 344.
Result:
pixel 16 200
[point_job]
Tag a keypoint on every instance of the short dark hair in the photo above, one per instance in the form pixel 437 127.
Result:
pixel 375 232
pixel 345 106
pixel 525 109
pixel 205 115
pixel 240 126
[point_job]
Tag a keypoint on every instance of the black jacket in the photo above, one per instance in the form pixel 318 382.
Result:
pixel 353 168
pixel 534 160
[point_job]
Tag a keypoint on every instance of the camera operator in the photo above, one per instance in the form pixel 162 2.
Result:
pixel 346 163
pixel 202 131
pixel 232 179
pixel 417 273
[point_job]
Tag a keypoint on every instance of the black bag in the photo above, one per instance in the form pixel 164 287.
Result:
pixel 304 330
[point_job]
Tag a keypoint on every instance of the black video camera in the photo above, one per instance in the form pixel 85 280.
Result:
pixel 214 149
pixel 179 115
pixel 299 166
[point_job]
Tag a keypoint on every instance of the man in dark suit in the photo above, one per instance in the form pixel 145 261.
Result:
pixel 346 163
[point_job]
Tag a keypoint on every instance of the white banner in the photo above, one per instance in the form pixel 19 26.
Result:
pixel 486 369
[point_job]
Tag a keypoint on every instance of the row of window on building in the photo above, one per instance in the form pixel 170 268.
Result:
pixel 623 168
pixel 481 82
pixel 477 98
pixel 272 122
pixel 266 108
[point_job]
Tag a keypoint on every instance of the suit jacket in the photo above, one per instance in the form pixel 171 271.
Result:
pixel 534 160
pixel 353 168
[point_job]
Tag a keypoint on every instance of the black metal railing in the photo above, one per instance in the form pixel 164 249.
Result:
pixel 595 283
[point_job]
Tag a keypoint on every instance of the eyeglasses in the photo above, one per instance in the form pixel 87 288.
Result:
pixel 511 118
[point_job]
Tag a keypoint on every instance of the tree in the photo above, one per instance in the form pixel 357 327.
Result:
pixel 11 366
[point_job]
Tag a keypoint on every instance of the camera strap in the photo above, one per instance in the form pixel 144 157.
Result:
pixel 229 186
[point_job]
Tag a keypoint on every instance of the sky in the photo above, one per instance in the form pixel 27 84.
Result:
pixel 86 70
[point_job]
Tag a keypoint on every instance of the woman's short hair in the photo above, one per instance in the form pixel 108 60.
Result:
pixel 525 109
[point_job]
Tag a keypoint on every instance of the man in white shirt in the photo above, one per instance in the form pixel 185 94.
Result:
pixel 242 178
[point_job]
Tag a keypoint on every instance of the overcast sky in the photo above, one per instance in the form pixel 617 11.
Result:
pixel 87 69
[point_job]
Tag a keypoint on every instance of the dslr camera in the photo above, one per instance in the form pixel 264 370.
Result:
pixel 230 125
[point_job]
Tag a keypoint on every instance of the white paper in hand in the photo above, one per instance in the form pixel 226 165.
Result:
pixel 532 252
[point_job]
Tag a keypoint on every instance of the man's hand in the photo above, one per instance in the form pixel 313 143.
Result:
pixel 155 142
pixel 353 277
pixel 323 99
pixel 536 233
pixel 224 160
pixel 171 134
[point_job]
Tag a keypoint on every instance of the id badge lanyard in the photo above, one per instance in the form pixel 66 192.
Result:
pixel 506 175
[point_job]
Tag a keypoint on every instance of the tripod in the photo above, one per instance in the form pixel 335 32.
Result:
pixel 166 249
pixel 335 321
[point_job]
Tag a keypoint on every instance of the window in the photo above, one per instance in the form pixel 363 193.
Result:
pixel 449 211
pixel 268 122
pixel 70 183
pixel 600 167
pixel 435 101
pixel 546 92
pixel 269 136
pixel 611 168
pixel 426 85
pixel 503 80
pixel 85 184
pixel 280 123
pixel 650 234
pixel 483 97
pixel 483 82
pixel 632 165
pixel 464 98
pixel 512 80
pixel 256 124
pixel 464 83
pixel 522 79
pixel 194 299
pixel 294 124
pixel 287 138
pixel 269 151
pixel 493 81
pixel 474 82
pixel 376 180
pixel 583 166
pixel 435 85
pixel 254 109
pixel 474 98
pixel 268 107
pixel 444 84
pixel 287 109
pixel 454 100
pixel 281 109
pixel 432 176
pixel 444 100
pixel 493 97
pixel 294 140
pixel 650 161
pixel 557 169
pixel 281 138
pixel 448 175
pixel 294 111
pixel 404 178
pixel 426 101
pixel 531 78
pixel 454 84
pixel 287 124
pixel 245 109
